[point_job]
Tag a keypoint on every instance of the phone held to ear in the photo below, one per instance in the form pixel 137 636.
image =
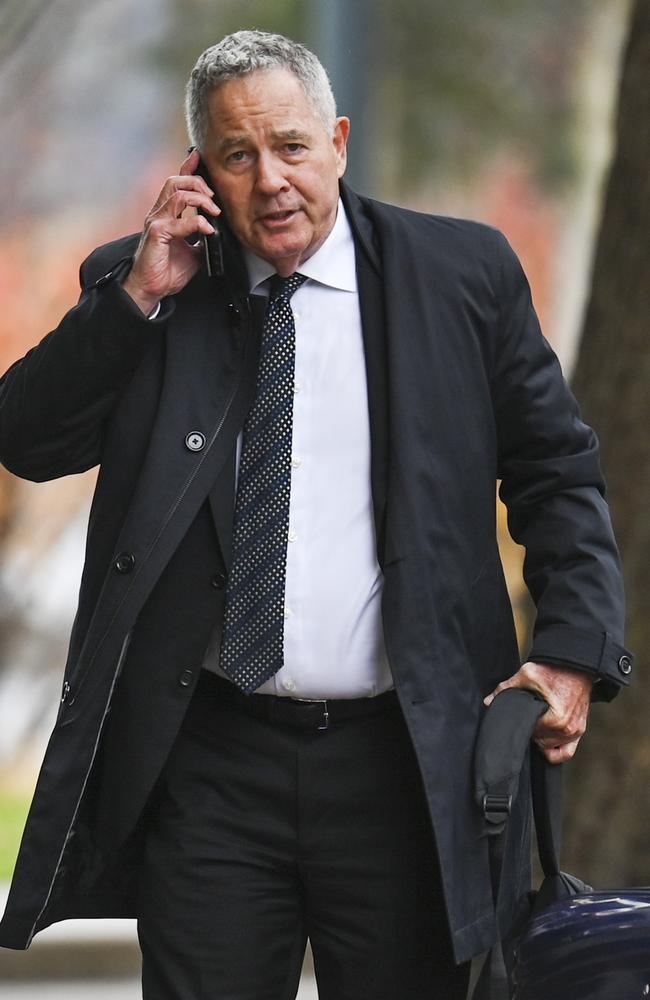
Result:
pixel 213 244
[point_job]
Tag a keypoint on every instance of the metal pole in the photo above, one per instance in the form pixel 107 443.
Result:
pixel 343 34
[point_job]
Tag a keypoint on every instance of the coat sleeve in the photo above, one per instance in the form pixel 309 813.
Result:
pixel 552 486
pixel 54 402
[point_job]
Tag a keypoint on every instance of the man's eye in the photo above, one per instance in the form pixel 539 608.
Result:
pixel 237 156
pixel 294 147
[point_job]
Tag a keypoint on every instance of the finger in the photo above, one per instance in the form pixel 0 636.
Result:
pixel 193 224
pixel 511 682
pixel 191 162
pixel 560 754
pixel 166 230
pixel 548 738
pixel 560 728
pixel 181 182
pixel 189 182
pixel 180 200
pixel 498 689
pixel 177 183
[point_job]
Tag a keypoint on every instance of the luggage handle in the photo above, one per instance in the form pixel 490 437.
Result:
pixel 501 747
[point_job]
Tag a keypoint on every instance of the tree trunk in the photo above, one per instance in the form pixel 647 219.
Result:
pixel 608 795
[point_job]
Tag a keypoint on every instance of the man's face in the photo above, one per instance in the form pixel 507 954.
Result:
pixel 274 166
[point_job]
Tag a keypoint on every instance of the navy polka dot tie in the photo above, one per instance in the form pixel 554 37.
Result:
pixel 252 643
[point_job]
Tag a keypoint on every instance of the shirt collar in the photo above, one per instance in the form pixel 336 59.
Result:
pixel 333 264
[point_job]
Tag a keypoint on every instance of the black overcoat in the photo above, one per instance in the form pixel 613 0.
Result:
pixel 463 391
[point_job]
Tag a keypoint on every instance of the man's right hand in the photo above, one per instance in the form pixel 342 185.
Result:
pixel 164 262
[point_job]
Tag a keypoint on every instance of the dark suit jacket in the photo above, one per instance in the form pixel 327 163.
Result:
pixel 463 390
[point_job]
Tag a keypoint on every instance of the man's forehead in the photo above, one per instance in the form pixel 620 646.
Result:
pixel 274 95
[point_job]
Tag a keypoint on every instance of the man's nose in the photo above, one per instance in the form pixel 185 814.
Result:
pixel 271 177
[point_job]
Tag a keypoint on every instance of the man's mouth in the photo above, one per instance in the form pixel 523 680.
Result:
pixel 274 219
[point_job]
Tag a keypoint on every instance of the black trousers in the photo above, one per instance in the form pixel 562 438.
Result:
pixel 263 835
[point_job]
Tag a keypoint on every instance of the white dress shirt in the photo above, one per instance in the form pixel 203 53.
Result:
pixel 333 635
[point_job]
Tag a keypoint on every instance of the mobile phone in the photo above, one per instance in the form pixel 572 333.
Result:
pixel 212 244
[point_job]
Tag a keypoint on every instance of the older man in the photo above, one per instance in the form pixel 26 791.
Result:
pixel 292 607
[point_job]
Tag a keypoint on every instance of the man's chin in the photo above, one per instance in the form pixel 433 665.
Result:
pixel 282 252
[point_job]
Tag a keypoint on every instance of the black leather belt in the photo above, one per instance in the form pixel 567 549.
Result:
pixel 302 713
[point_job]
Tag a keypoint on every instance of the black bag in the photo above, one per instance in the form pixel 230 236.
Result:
pixel 502 744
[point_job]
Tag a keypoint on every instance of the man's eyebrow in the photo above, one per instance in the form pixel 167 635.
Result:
pixel 234 140
pixel 284 135
pixel 290 134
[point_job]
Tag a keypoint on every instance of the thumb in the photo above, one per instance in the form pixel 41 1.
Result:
pixel 512 682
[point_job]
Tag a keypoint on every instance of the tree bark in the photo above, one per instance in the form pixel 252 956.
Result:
pixel 608 796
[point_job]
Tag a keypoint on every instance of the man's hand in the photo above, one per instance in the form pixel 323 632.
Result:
pixel 164 262
pixel 568 693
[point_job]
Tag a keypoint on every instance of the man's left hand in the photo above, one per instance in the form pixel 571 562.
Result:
pixel 568 693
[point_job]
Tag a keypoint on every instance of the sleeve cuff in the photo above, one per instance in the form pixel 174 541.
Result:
pixel 594 652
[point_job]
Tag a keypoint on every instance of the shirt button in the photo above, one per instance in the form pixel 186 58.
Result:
pixel 287 612
pixel 296 462
pixel 219 580
pixel 296 317
pixel 296 387
pixel 293 536
pixel 289 685
pixel 186 678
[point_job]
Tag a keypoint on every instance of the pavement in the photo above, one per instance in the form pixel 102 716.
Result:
pixel 93 989
pixel 87 960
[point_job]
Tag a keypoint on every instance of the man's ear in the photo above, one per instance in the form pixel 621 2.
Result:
pixel 340 140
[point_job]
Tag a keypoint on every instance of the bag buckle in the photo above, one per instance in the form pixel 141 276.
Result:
pixel 496 807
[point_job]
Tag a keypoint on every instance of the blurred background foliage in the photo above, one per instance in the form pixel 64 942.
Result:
pixel 450 82
pixel 501 110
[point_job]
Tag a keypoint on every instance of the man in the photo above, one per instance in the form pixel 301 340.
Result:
pixel 292 607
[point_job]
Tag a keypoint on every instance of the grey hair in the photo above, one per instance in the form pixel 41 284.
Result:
pixel 246 52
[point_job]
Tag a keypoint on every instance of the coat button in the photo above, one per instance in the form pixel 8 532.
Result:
pixel 195 441
pixel 124 562
pixel 219 580
pixel 625 665
pixel 235 313
pixel 186 678
pixel 67 697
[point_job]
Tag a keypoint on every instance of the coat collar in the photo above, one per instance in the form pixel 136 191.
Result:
pixel 365 235
pixel 373 325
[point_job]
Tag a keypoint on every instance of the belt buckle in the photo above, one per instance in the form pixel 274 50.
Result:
pixel 317 701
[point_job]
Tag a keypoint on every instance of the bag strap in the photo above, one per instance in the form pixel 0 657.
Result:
pixel 546 787
pixel 546 793
pixel 501 748
pixel 503 740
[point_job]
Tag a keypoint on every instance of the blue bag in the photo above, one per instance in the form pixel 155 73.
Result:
pixel 566 941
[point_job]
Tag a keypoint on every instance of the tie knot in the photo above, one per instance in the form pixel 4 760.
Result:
pixel 283 288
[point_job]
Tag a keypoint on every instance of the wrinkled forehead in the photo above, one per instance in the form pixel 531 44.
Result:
pixel 269 98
